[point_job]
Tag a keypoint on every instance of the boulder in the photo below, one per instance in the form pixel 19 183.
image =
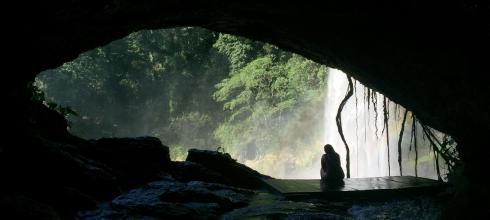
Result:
pixel 46 122
pixel 39 165
pixel 135 161
pixel 23 207
pixel 168 198
pixel 238 174
pixel 55 174
pixel 186 171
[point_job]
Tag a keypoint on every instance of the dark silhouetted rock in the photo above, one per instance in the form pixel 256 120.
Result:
pixel 68 201
pixel 238 174
pixel 55 174
pixel 272 206
pixel 172 199
pixel 22 207
pixel 186 171
pixel 135 161
pixel 42 164
pixel 47 122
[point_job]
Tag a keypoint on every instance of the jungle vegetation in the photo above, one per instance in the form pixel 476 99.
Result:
pixel 194 88
pixel 191 87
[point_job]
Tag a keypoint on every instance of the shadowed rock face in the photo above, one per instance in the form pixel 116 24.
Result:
pixel 425 56
pixel 170 199
pixel 237 174
pixel 135 161
pixel 429 57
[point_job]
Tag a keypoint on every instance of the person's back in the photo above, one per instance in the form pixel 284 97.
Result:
pixel 331 171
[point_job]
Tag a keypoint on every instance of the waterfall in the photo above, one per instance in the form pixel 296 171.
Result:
pixel 363 129
pixel 368 152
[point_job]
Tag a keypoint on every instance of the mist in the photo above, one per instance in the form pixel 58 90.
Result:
pixel 366 133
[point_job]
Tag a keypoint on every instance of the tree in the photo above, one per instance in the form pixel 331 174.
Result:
pixel 266 100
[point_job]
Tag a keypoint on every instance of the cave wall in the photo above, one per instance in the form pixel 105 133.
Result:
pixel 429 57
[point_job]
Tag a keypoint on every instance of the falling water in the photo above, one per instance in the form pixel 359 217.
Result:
pixel 363 129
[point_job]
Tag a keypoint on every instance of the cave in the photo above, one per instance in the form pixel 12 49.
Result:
pixel 428 56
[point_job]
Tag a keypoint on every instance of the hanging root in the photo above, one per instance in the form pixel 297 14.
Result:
pixel 374 99
pixel 368 97
pixel 338 119
pixel 414 133
pixel 400 138
pixel 434 149
pixel 445 149
pixel 411 136
pixel 385 126
pixel 436 155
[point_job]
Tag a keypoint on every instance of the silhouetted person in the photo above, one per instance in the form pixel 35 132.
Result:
pixel 331 172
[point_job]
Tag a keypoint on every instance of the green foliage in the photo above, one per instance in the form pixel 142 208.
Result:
pixel 193 88
pixel 196 125
pixel 38 95
pixel 35 92
pixel 141 84
pixel 272 97
pixel 238 50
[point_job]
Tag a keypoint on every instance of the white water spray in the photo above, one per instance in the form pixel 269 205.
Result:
pixel 363 133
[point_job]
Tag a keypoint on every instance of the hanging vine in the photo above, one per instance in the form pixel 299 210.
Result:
pixel 374 100
pixel 385 126
pixel 414 133
pixel 338 120
pixel 445 149
pixel 400 137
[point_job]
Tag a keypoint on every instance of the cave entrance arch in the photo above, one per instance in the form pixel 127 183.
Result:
pixel 415 42
pixel 113 72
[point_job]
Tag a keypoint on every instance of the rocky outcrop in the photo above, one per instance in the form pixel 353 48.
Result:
pixel 238 174
pixel 55 174
pixel 186 171
pixel 135 161
pixel 47 123
pixel 71 177
pixel 22 207
pixel 270 206
pixel 49 174
pixel 50 164
pixel 203 187
pixel 168 198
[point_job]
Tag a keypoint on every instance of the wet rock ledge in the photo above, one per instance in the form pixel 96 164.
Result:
pixel 118 178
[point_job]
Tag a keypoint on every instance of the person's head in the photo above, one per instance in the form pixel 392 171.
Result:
pixel 328 148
